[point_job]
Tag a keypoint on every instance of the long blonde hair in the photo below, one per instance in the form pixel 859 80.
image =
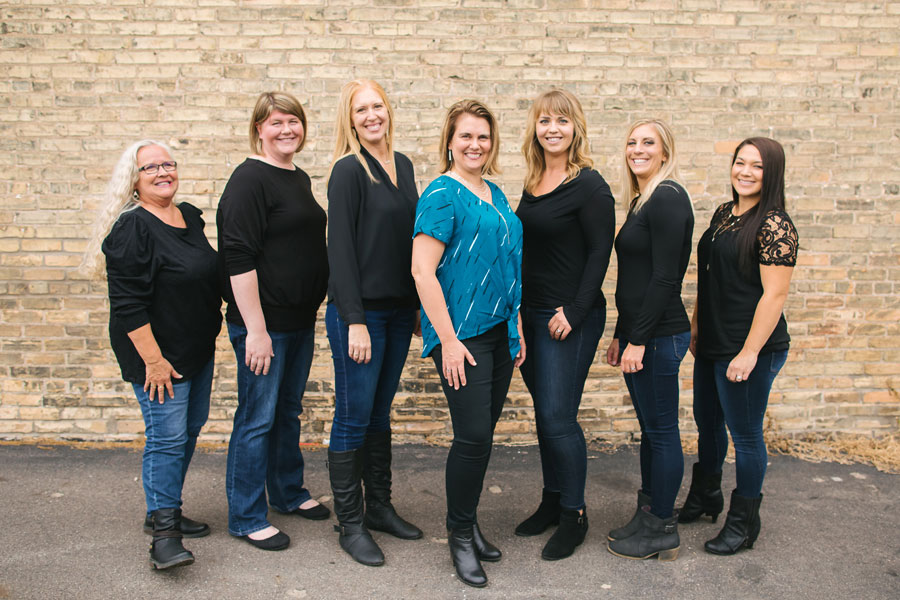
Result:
pixel 555 102
pixel 668 169
pixel 346 139
pixel 120 197
pixel 266 104
pixel 476 109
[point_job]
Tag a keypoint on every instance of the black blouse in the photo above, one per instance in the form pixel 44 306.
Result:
pixel 727 299
pixel 165 276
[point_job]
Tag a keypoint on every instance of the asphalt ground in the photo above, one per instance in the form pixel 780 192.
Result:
pixel 70 528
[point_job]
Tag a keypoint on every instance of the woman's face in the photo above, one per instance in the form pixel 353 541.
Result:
pixel 470 144
pixel 160 187
pixel 644 152
pixel 747 173
pixel 280 135
pixel 554 133
pixel 369 116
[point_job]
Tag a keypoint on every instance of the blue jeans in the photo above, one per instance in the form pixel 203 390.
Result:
pixel 741 406
pixel 554 372
pixel 264 451
pixel 171 429
pixel 654 394
pixel 364 392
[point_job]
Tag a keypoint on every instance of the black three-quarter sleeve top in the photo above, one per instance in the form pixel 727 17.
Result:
pixel 653 249
pixel 165 276
pixel 568 239
pixel 727 298
pixel 269 221
pixel 370 227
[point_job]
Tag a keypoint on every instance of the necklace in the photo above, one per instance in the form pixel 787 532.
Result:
pixel 483 192
pixel 726 225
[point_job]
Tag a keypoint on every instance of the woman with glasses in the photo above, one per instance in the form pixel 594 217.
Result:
pixel 164 318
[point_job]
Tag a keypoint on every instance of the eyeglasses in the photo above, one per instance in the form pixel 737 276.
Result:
pixel 153 169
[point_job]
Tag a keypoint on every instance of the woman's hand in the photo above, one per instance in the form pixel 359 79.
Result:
pixel 741 366
pixel 158 381
pixel 453 358
pixel 693 345
pixel 359 344
pixel 632 359
pixel 612 353
pixel 559 326
pixel 520 355
pixel 258 352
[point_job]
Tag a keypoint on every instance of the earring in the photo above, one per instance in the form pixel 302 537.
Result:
pixel 135 195
pixel 449 156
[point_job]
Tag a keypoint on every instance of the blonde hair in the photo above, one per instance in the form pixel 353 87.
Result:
pixel 346 138
pixel 476 109
pixel 555 102
pixel 266 104
pixel 668 170
pixel 120 197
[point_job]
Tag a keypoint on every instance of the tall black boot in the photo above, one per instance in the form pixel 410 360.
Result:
pixel 547 514
pixel 345 471
pixel 380 513
pixel 741 526
pixel 166 550
pixel 569 535
pixel 704 497
pixel 632 525
pixel 465 557
pixel 654 537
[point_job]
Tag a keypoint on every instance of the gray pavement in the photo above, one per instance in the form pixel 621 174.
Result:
pixel 70 528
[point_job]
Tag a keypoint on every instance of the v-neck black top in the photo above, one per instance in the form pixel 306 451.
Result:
pixel 165 276
pixel 568 239
pixel 370 227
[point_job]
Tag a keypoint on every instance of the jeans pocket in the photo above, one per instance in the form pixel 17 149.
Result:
pixel 777 361
pixel 680 344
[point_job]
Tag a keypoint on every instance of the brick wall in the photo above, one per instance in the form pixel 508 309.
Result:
pixel 82 79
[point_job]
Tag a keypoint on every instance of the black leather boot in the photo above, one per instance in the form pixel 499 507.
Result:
pixel 547 514
pixel 569 535
pixel 654 537
pixel 189 527
pixel 380 513
pixel 485 550
pixel 741 526
pixel 632 525
pixel 166 550
pixel 465 557
pixel 345 471
pixel 704 497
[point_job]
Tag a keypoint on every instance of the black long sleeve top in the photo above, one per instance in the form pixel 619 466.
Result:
pixel 568 240
pixel 269 221
pixel 165 276
pixel 370 227
pixel 653 249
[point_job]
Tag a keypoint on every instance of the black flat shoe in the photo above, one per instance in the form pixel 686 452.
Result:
pixel 189 527
pixel 279 541
pixel 318 512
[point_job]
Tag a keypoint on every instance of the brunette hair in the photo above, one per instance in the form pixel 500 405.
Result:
pixel 346 138
pixel 668 170
pixel 266 104
pixel 477 109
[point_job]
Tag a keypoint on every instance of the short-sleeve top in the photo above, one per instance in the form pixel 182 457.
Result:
pixel 727 298
pixel 480 271
pixel 165 276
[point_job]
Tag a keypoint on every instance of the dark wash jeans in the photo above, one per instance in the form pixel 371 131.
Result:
pixel 264 450
pixel 554 372
pixel 654 394
pixel 740 405
pixel 364 392
pixel 474 410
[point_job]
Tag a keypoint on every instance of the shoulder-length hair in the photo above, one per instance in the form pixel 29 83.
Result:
pixel 346 138
pixel 266 104
pixel 563 103
pixel 120 197
pixel 477 109
pixel 771 197
pixel 668 170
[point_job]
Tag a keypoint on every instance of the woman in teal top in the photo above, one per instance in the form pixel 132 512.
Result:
pixel 467 264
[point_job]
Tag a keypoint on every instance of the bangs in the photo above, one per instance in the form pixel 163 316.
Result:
pixel 554 103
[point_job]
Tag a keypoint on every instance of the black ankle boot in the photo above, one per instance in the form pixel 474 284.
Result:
pixel 632 525
pixel 166 550
pixel 189 527
pixel 547 514
pixel 380 513
pixel 741 526
pixel 485 550
pixel 465 557
pixel 654 537
pixel 704 497
pixel 569 535
pixel 345 470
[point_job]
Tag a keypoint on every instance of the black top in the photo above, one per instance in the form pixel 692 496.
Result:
pixel 165 276
pixel 654 248
pixel 370 228
pixel 268 220
pixel 727 298
pixel 568 239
